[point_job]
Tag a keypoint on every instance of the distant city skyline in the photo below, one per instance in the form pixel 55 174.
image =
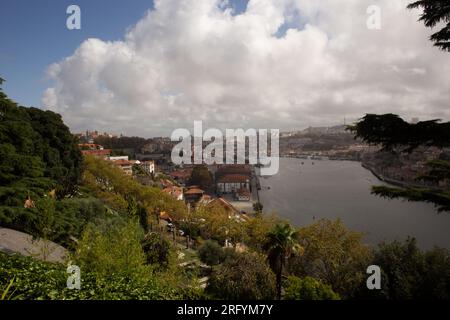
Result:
pixel 145 68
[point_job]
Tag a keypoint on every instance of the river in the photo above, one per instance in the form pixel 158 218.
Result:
pixel 341 189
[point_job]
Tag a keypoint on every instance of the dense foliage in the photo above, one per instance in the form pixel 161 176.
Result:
pixel 211 253
pixel 36 280
pixel 334 255
pixel 157 249
pixel 201 177
pixel 39 157
pixel 410 273
pixel 308 288
pixel 243 276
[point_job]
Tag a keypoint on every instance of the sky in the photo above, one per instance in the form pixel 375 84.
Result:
pixel 149 67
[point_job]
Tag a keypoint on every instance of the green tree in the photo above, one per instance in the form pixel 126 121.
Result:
pixel 156 249
pixel 396 135
pixel 243 276
pixel 281 243
pixel 410 273
pixel 38 154
pixel 258 207
pixel 334 255
pixel 201 177
pixel 211 253
pixel 435 12
pixel 113 249
pixel 308 288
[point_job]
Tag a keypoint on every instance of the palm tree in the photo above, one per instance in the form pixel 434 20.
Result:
pixel 281 242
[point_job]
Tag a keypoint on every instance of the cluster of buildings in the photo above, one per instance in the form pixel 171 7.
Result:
pixel 123 162
pixel 231 180
pixel 90 136
pixel 231 186
pixel 403 169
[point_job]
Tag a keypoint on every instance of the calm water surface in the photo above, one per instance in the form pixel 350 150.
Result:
pixel 341 189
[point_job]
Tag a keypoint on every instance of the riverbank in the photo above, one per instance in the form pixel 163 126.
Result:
pixel 305 193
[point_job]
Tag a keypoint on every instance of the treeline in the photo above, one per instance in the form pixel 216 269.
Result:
pixel 135 143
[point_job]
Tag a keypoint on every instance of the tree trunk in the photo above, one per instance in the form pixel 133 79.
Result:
pixel 279 275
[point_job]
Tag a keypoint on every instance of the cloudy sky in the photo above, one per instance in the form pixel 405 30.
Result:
pixel 263 64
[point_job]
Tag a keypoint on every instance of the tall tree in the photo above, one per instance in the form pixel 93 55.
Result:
pixel 435 12
pixel 201 176
pixel 281 242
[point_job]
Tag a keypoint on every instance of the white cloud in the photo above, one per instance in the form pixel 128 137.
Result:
pixel 192 60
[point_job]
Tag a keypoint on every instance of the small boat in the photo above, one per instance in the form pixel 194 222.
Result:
pixel 312 163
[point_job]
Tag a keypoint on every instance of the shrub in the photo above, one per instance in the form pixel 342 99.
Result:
pixel 244 276
pixel 156 249
pixel 211 253
pixel 308 288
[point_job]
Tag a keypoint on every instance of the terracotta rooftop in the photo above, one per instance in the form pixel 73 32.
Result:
pixel 233 178
pixel 224 204
pixel 194 191
pixel 104 152
pixel 174 191
pixel 122 162
pixel 243 192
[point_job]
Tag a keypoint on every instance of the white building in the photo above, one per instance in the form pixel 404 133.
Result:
pixel 148 166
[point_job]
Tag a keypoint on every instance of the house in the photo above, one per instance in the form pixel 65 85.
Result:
pixel 205 199
pixel 232 212
pixel 166 183
pixel 230 178
pixel 115 158
pixel 174 191
pixel 193 194
pixel 125 165
pixel 230 183
pixel 95 150
pixel 224 204
pixel 148 166
pixel 243 194
pixel 181 176
pixel 103 154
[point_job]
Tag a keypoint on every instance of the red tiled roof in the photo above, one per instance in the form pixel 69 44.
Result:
pixel 123 162
pixel 194 191
pixel 173 191
pixel 224 204
pixel 180 174
pixel 243 192
pixel 233 178
pixel 104 152
pixel 234 168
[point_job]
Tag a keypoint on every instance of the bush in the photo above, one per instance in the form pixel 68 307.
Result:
pixel 308 288
pixel 243 276
pixel 156 249
pixel 37 280
pixel 112 249
pixel 211 253
pixel 409 273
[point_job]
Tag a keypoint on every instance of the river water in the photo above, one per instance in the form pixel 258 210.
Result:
pixel 341 189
